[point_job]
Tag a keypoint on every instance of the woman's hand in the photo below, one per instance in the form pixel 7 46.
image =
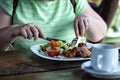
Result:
pixel 90 24
pixel 81 23
pixel 27 31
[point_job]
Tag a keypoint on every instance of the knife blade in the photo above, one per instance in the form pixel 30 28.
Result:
pixel 49 39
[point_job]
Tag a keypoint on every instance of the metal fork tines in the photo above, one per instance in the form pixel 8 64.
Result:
pixel 76 41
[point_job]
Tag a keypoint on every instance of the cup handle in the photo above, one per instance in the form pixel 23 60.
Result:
pixel 99 61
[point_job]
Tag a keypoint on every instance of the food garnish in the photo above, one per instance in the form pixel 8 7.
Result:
pixel 56 48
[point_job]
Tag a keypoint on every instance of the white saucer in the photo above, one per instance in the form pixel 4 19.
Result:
pixel 87 67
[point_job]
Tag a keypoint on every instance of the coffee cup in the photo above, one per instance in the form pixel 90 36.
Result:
pixel 104 57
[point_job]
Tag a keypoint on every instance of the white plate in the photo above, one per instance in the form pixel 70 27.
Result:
pixel 36 50
pixel 87 67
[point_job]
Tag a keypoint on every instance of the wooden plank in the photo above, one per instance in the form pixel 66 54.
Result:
pixel 16 62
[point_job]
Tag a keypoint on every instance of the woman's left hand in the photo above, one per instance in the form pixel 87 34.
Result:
pixel 81 23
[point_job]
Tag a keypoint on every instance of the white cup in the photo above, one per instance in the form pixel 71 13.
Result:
pixel 104 57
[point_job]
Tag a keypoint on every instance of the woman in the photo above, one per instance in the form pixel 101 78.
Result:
pixel 36 19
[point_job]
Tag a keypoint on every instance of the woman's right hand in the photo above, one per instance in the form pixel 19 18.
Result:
pixel 27 31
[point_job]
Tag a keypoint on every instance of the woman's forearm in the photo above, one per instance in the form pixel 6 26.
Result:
pixel 5 37
pixel 97 27
pixel 96 30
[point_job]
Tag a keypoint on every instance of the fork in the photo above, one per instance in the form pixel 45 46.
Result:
pixel 76 41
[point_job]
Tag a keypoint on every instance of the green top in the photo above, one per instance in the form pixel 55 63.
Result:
pixel 55 18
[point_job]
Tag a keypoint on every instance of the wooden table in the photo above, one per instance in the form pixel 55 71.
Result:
pixel 16 65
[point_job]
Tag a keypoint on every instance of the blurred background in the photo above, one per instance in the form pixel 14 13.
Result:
pixel 113 34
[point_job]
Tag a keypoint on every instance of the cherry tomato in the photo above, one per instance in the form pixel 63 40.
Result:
pixel 53 43
pixel 53 51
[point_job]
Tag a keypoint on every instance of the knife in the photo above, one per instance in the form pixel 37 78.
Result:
pixel 49 39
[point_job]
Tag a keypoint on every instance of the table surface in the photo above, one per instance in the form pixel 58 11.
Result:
pixel 16 65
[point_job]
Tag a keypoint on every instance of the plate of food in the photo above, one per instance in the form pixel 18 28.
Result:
pixel 60 51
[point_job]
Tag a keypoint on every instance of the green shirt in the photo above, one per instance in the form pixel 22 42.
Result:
pixel 54 18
